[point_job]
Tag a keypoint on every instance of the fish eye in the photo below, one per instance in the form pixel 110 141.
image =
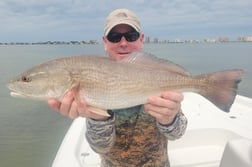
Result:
pixel 25 79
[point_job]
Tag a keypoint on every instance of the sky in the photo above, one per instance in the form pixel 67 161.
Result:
pixel 76 20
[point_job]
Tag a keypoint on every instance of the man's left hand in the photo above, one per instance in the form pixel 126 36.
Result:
pixel 165 107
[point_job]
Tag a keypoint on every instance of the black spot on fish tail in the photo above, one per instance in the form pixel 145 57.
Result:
pixel 221 87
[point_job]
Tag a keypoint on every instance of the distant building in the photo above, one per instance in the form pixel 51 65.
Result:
pixel 155 40
pixel 245 39
pixel 209 40
pixel 147 39
pixel 249 38
pixel 222 39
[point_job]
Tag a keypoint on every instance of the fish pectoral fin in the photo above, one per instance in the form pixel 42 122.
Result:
pixel 76 91
pixel 98 111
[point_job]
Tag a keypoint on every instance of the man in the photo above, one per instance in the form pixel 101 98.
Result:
pixel 135 136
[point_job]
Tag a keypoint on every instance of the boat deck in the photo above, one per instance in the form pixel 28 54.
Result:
pixel 211 138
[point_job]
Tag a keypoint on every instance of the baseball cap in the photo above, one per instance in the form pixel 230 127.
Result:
pixel 121 16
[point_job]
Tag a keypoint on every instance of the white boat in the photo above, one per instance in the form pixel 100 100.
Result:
pixel 213 138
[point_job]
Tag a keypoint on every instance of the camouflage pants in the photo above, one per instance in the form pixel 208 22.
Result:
pixel 103 164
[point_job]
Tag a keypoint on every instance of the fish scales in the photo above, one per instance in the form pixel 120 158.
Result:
pixel 128 83
pixel 110 84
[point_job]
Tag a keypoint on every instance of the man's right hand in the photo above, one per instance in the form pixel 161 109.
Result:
pixel 70 107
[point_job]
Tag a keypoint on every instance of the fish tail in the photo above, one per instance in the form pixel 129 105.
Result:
pixel 221 87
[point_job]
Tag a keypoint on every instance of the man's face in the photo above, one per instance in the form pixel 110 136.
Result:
pixel 121 49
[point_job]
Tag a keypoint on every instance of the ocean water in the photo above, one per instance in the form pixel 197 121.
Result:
pixel 31 133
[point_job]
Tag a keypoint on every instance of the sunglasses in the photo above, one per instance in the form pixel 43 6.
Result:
pixel 115 37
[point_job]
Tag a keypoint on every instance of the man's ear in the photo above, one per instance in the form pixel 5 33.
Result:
pixel 104 43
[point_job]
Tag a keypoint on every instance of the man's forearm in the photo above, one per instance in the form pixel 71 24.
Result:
pixel 176 129
pixel 100 134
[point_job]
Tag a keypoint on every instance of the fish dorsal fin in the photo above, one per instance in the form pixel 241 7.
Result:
pixel 150 61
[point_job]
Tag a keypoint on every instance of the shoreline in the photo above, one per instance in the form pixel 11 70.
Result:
pixel 94 42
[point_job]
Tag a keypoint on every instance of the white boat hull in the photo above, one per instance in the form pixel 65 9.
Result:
pixel 203 145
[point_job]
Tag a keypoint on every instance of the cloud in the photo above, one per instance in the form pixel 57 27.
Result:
pixel 83 19
pixel 55 18
pixel 195 17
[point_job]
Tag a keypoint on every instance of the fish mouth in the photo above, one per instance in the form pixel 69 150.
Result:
pixel 16 94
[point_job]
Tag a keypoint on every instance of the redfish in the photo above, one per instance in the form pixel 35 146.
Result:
pixel 110 84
